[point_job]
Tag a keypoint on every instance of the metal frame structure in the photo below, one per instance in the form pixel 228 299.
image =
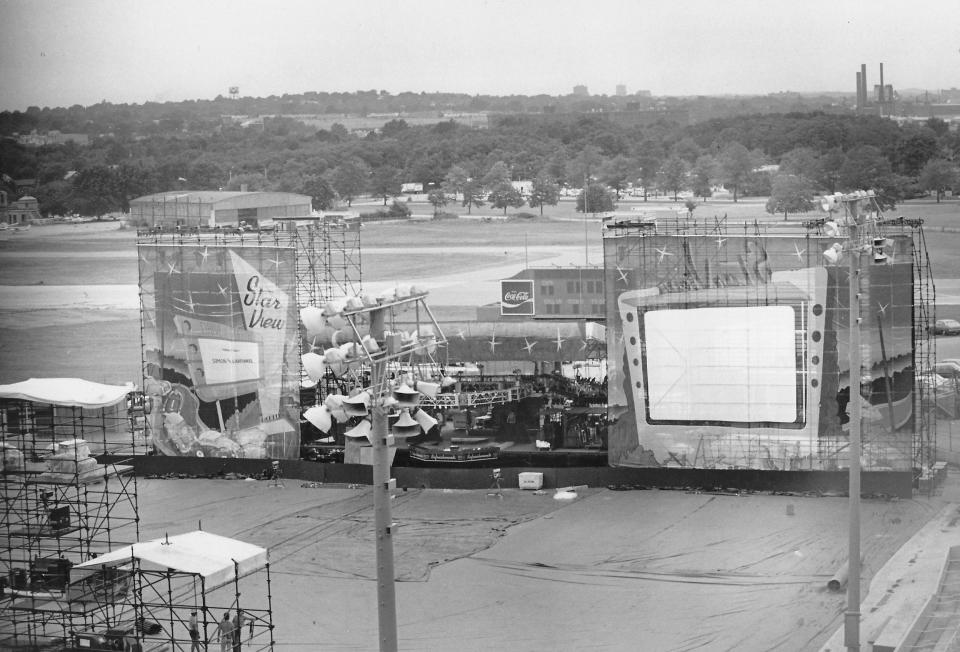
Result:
pixel 923 446
pixel 60 507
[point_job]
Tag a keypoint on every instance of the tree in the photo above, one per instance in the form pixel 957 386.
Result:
pixel 499 173
pixel 438 198
pixel 455 181
pixel 472 194
pixel 704 171
pixel 505 195
pixel 938 175
pixel 673 174
pixel 913 152
pixel 598 198
pixel 801 161
pixel 322 194
pixel 649 170
pixel 618 172
pixel 95 191
pixel 687 149
pixel 350 178
pixel 544 191
pixel 584 165
pixel 864 168
pixel 394 128
pixel 736 163
pixel 691 205
pixel 791 193
pixel 828 169
pixel 385 182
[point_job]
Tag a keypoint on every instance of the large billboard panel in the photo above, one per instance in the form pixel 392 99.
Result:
pixel 732 352
pixel 221 349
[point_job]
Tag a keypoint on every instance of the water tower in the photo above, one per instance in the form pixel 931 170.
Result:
pixel 234 92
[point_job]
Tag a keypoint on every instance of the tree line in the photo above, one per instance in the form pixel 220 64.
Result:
pixel 789 157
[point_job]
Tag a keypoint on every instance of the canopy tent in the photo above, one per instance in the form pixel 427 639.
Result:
pixel 217 559
pixel 72 392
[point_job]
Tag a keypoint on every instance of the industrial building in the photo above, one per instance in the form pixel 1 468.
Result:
pixel 205 208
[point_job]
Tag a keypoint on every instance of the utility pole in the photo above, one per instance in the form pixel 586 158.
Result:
pixel 851 635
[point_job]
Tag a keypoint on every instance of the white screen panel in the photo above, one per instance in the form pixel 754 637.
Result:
pixel 721 364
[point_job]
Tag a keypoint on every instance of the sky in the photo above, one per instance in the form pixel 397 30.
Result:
pixel 65 52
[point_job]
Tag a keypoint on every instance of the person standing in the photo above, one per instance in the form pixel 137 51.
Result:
pixel 238 622
pixel 226 633
pixel 194 629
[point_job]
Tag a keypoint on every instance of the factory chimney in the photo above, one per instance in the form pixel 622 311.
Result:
pixel 863 84
pixel 859 93
pixel 881 84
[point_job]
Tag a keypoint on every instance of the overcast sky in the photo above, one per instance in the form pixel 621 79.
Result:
pixel 65 52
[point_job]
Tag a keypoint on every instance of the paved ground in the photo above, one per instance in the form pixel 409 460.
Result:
pixel 608 570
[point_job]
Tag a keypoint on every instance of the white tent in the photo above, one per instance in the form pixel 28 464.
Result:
pixel 218 560
pixel 74 392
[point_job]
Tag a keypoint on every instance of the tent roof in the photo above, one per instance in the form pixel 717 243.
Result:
pixel 201 553
pixel 74 392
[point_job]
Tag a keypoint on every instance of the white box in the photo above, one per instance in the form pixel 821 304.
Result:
pixel 530 480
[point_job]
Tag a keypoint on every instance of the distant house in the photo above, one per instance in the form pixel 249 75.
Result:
pixel 52 137
pixel 19 212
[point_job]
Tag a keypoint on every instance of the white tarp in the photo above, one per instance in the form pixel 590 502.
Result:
pixel 73 392
pixel 201 553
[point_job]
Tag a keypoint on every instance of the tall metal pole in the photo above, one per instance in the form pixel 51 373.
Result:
pixel 852 617
pixel 383 521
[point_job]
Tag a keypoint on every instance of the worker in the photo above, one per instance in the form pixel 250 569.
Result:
pixel 226 633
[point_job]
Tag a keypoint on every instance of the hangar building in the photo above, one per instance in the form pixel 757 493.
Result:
pixel 208 208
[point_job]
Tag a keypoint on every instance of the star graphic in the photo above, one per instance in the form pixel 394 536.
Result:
pixel 799 251
pixel 222 290
pixel 203 256
pixel 493 342
pixel 560 340
pixel 883 307
pixel 172 267
pixel 276 261
pixel 191 306
pixel 529 345
pixel 622 273
pixel 662 252
pixel 461 334
pixel 583 345
pixel 720 241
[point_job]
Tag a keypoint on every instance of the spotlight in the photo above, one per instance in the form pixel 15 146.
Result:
pixel 314 366
pixel 362 429
pixel 406 426
pixel 406 397
pixel 358 405
pixel 320 417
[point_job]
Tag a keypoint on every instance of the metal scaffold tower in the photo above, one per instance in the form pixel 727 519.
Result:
pixel 68 495
pixel 925 352
pixel 717 262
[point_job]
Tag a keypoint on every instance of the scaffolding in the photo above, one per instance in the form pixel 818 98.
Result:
pixel 69 494
pixel 186 583
pixel 698 262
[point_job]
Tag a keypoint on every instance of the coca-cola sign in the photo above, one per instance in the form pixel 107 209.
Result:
pixel 516 297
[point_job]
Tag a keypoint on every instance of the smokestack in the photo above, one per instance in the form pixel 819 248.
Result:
pixel 859 93
pixel 863 83
pixel 881 83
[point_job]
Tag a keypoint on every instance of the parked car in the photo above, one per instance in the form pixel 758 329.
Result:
pixel 946 327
